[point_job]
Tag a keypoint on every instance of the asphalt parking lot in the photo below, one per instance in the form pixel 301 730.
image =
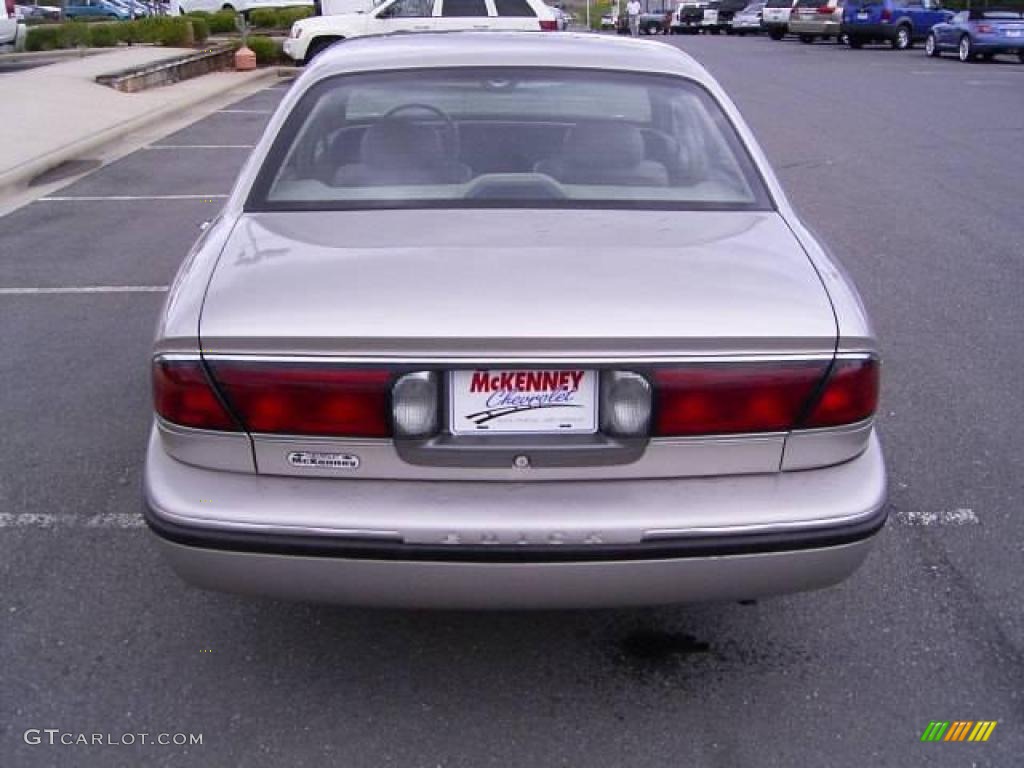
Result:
pixel 910 168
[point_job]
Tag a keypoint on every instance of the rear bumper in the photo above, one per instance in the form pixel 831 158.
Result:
pixel 516 545
pixel 830 28
pixel 870 31
pixel 997 46
pixel 513 586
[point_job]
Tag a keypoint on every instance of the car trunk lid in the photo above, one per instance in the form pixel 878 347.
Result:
pixel 536 284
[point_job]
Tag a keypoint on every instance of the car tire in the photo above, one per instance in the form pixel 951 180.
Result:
pixel 777 34
pixel 1020 56
pixel 903 40
pixel 965 50
pixel 931 46
pixel 854 42
pixel 228 7
pixel 807 39
pixel 652 29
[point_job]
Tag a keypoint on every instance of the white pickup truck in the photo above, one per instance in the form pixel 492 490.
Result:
pixel 11 32
pixel 311 36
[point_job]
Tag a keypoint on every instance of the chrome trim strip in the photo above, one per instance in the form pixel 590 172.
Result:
pixel 842 429
pixel 397 536
pixel 467 362
pixel 349 533
pixel 177 357
pixel 782 527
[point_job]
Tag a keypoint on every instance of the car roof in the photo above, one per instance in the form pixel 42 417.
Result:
pixel 503 49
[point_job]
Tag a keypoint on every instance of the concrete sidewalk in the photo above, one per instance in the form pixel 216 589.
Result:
pixel 58 112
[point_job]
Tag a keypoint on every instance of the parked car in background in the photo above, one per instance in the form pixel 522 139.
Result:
pixel 609 21
pixel 678 407
pixel 979 33
pixel 94 9
pixel 242 6
pixel 132 9
pixel 748 21
pixel 9 25
pixel 653 15
pixel 817 20
pixel 901 23
pixel 311 36
pixel 688 17
pixel 709 19
pixel 775 17
pixel 725 10
pixel 560 16
pixel 30 11
pixel 337 7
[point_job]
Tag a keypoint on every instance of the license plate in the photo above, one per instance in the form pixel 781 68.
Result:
pixel 1013 33
pixel 862 17
pixel 522 401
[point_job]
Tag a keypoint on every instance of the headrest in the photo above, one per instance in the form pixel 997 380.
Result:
pixel 612 145
pixel 400 143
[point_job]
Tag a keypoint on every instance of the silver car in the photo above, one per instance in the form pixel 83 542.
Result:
pixel 494 320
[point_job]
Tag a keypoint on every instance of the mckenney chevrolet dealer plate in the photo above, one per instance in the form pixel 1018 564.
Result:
pixel 518 401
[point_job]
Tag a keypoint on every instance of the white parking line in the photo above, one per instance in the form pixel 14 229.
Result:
pixel 125 198
pixel 43 520
pixel 942 517
pixel 84 289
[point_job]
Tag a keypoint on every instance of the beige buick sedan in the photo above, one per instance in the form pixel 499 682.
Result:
pixel 512 321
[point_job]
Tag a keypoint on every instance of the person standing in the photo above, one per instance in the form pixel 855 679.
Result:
pixel 633 13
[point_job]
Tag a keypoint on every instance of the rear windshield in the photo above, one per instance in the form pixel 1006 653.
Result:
pixel 504 137
pixel 1004 15
pixel 778 4
pixel 513 8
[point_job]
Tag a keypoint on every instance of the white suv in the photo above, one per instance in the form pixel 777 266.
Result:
pixel 310 36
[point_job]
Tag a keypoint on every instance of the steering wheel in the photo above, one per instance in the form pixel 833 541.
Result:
pixel 452 129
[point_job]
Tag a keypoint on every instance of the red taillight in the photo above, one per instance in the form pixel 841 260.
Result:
pixel 825 10
pixel 548 25
pixel 886 14
pixel 730 399
pixel 849 396
pixel 985 28
pixel 763 397
pixel 182 394
pixel 310 399
pixel 10 8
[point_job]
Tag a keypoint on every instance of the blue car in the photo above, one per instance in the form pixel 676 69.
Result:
pixel 901 23
pixel 94 9
pixel 983 32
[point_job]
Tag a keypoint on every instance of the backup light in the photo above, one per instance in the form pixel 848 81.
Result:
pixel 625 404
pixel 414 404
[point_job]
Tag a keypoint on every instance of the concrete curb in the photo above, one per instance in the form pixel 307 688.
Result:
pixel 21 175
pixel 57 55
